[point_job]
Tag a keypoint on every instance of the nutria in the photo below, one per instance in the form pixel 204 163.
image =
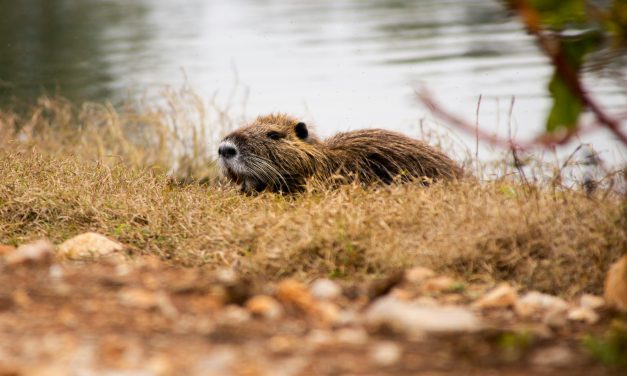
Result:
pixel 278 153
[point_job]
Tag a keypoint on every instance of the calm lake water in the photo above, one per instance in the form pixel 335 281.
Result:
pixel 339 64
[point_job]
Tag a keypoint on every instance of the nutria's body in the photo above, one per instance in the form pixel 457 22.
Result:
pixel 278 153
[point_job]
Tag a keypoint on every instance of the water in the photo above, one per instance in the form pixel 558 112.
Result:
pixel 338 64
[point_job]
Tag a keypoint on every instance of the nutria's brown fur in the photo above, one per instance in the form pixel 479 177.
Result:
pixel 278 153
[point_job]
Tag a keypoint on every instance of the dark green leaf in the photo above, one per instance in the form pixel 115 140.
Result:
pixel 566 106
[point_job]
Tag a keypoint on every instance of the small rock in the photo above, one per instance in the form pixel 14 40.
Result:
pixel 325 289
pixel 346 317
pixel 451 299
pixel 37 252
pixel 401 294
pixel 439 284
pixel 584 314
pixel 296 294
pixel 386 353
pixel 616 285
pixel 264 306
pixel 235 315
pixel 87 245
pixel 414 319
pixel 5 249
pixel 502 296
pixel 555 318
pixel 427 301
pixel 283 344
pixel 138 298
pixel 319 337
pixel 556 356
pixel 535 302
pixel 418 274
pixel 227 276
pixel 352 336
pixel 328 313
pixel 21 298
pixel 591 301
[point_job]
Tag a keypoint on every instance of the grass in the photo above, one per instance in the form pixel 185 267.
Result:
pixel 66 170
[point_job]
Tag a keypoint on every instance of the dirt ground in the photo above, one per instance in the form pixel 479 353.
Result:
pixel 148 318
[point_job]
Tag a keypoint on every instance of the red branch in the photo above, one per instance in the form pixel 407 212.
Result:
pixel 427 99
pixel 531 19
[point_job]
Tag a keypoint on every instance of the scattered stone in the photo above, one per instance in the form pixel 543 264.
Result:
pixel 160 365
pixel 21 298
pixel 138 298
pixel 89 244
pixel 346 317
pixel 56 272
pixel 591 301
pixel 234 314
pixel 555 318
pixel 328 313
pixel 439 284
pixel 226 276
pixel 452 299
pixel 584 314
pixel 219 361
pixel 6 249
pixel 556 356
pixel 282 344
pixel 325 289
pixel 414 319
pixel 427 301
pixel 264 306
pixel 319 337
pixel 502 296
pixel 401 294
pixel 37 252
pixel 385 354
pixel 294 293
pixel 418 274
pixel 352 336
pixel 535 302
pixel 616 285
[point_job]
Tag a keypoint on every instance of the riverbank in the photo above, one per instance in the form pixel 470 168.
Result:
pixel 207 278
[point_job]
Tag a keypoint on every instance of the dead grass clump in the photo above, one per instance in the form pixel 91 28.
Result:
pixel 176 134
pixel 556 240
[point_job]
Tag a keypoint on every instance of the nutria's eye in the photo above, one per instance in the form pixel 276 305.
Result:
pixel 301 130
pixel 275 135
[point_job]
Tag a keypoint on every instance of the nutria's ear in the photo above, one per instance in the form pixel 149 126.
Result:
pixel 301 130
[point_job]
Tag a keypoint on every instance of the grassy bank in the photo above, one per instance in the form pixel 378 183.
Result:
pixel 555 241
pixel 66 170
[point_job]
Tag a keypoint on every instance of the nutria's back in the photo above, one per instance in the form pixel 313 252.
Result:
pixel 279 153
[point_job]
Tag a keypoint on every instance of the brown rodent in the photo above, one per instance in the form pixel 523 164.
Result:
pixel 278 153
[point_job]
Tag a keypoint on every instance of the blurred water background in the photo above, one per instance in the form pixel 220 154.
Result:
pixel 339 64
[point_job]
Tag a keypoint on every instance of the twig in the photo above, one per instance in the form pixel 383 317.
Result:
pixel 425 97
pixel 531 19
pixel 477 131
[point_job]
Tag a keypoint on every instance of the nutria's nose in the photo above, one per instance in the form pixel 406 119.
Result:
pixel 227 151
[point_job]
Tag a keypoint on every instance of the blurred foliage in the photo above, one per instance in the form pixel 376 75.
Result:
pixel 574 29
pixel 611 349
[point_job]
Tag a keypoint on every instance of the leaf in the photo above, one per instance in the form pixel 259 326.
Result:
pixel 566 106
pixel 557 14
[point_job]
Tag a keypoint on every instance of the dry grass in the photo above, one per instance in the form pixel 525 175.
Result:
pixel 177 134
pixel 58 182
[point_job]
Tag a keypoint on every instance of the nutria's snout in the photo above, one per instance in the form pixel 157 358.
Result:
pixel 227 151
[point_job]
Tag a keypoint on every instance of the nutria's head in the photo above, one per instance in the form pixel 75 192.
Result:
pixel 275 152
